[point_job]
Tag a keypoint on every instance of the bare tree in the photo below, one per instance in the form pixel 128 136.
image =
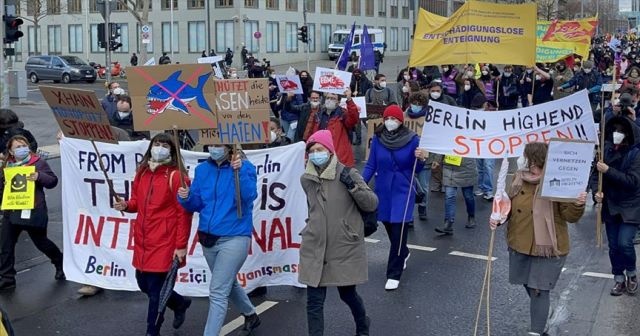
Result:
pixel 37 10
pixel 140 11
pixel 547 9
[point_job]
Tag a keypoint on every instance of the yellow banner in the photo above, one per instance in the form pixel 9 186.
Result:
pixel 19 193
pixel 478 32
pixel 559 39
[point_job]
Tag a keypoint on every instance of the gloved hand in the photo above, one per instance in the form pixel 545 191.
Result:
pixel 347 180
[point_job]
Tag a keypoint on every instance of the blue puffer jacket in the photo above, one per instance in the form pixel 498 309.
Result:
pixel 288 114
pixel 213 196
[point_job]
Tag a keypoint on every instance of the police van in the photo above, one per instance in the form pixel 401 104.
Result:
pixel 339 37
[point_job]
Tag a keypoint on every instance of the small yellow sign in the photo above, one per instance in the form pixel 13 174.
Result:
pixel 19 193
pixel 453 160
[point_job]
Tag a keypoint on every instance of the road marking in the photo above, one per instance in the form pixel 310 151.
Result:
pixel 24 271
pixel 563 269
pixel 239 321
pixel 471 255
pixel 421 248
pixel 598 275
pixel 369 240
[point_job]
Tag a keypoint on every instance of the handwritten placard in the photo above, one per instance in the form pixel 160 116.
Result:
pixel 566 170
pixel 19 193
pixel 331 80
pixel 289 84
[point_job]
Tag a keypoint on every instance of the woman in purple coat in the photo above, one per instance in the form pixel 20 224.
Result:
pixel 394 149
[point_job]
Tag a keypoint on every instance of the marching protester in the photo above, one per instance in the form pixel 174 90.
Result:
pixel 620 198
pixel 402 88
pixel 417 109
pixel 380 94
pixel 469 93
pixel 588 78
pixel 526 84
pixel 277 137
pixel 360 84
pixel 224 235
pixel 508 88
pixel 392 159
pixel 307 84
pixel 34 221
pixel 633 79
pixel 561 75
pixel 288 116
pixel 109 102
pixel 449 75
pixel 489 84
pixel 162 227
pixel 123 119
pixel 537 234
pixel 330 116
pixel 485 165
pixel 543 87
pixel 437 93
pixel 10 125
pixel 332 251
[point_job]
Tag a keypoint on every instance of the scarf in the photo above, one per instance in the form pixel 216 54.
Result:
pixel 544 227
pixel 155 164
pixel 396 139
pixel 19 163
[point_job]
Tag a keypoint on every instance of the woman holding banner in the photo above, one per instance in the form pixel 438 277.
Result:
pixel 332 251
pixel 224 230
pixel 162 227
pixel 33 221
pixel 537 234
pixel 394 159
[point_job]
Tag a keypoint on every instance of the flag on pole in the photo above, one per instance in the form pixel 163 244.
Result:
pixel 346 51
pixel 367 56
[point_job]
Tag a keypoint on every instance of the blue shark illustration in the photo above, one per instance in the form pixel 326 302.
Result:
pixel 160 100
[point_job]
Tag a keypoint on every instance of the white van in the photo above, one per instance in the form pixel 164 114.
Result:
pixel 339 37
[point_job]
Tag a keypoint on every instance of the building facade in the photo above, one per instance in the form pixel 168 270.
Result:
pixel 185 28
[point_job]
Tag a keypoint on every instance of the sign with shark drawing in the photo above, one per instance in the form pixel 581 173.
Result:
pixel 79 114
pixel 181 95
pixel 243 111
pixel 19 193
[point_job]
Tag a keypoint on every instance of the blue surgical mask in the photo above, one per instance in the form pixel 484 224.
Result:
pixel 319 158
pixel 216 153
pixel 21 153
pixel 416 108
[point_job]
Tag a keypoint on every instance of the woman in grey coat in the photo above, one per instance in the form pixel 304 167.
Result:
pixel 332 251
pixel 457 172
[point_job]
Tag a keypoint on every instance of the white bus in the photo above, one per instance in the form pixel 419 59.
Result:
pixel 339 37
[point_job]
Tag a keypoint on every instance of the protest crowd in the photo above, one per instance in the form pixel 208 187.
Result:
pixel 357 165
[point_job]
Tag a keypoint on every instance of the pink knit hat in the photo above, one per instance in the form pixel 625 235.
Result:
pixel 324 138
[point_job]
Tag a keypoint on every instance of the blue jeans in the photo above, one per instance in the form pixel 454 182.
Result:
pixel 450 202
pixel 424 179
pixel 622 253
pixel 485 175
pixel 289 132
pixel 225 259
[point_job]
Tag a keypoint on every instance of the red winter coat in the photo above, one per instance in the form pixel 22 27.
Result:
pixel 340 123
pixel 162 224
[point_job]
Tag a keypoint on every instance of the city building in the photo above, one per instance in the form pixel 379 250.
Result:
pixel 185 28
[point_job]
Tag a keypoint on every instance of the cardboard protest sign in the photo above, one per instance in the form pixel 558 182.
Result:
pixel 79 113
pixel 450 130
pixel 331 80
pixel 566 170
pixel 243 112
pixel 289 84
pixel 19 193
pixel 175 94
pixel 360 103
pixel 375 111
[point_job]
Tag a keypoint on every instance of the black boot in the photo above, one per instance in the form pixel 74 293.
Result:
pixel 60 273
pixel 180 314
pixel 250 323
pixel 422 212
pixel 447 229
pixel 471 222
pixel 363 329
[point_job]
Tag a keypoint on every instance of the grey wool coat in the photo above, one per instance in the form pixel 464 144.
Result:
pixel 465 175
pixel 332 252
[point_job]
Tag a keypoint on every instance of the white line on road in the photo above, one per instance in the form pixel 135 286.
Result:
pixel 369 240
pixel 23 271
pixel 238 322
pixel 421 248
pixel 598 275
pixel 471 255
pixel 563 269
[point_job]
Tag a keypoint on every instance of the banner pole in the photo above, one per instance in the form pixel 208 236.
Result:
pixel 406 207
pixel 236 176
pixel 176 143
pixel 112 192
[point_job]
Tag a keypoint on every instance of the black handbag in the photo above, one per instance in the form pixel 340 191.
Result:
pixel 369 218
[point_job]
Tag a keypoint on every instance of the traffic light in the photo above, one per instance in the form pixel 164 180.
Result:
pixel 114 45
pixel 12 31
pixel 114 30
pixel 102 43
pixel 302 34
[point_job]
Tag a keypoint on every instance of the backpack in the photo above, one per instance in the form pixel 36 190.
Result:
pixel 369 218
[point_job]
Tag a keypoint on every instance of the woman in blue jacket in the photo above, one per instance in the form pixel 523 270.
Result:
pixel 394 149
pixel 224 237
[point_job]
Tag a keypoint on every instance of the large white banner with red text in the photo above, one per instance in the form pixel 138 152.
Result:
pixel 98 241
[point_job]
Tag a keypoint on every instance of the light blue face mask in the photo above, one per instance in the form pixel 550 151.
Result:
pixel 216 153
pixel 319 158
pixel 416 108
pixel 21 153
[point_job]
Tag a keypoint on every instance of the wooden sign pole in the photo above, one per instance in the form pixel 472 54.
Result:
pixel 236 175
pixel 112 192
pixel 179 156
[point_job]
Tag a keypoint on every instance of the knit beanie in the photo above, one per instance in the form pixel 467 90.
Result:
pixel 322 137
pixel 394 111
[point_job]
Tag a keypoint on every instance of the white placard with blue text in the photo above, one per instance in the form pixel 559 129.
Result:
pixel 567 168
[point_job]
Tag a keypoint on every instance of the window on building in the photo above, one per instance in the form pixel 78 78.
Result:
pixel 195 4
pixel 355 7
pixel 325 37
pixel 394 39
pixel 166 4
pixel 139 43
pixel 310 6
pixel 394 9
pixel 251 42
pixel 197 36
pixel 53 6
pixel 224 3
pixel 368 7
pixel 311 32
pixel 384 33
pixel 273 4
pixel 291 33
pixel 251 3
pixel 382 8
pixel 93 38
pixel 169 42
pixel 325 6
pixel 273 37
pixel 75 38
pixel 140 4
pixel 123 38
pixel 73 6
pixel 224 35
pixel 405 39
pixel 120 7
pixel 341 26
pixel 35 47
pixel 292 5
pixel 93 6
pixel 405 9
pixel 341 7
pixel 54 34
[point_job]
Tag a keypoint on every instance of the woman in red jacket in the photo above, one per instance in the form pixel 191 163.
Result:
pixel 161 229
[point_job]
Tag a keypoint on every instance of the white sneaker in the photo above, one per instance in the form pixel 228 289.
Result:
pixel 88 290
pixel 478 192
pixel 405 261
pixel 392 284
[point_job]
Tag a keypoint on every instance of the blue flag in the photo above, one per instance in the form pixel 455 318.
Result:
pixel 346 51
pixel 367 55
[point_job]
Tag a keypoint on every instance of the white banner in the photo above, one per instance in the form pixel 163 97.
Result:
pixel 457 131
pixel 331 80
pixel 98 241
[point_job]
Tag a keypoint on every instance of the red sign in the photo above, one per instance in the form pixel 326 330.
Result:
pixel 257 35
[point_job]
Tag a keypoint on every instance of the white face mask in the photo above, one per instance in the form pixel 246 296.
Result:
pixel 391 125
pixel 159 153
pixel 523 163
pixel 467 87
pixel 330 105
pixel 383 84
pixel 407 77
pixel 529 70
pixel 616 101
pixel 445 69
pixel 507 74
pixel 123 115
pixel 538 77
pixel 435 95
pixel 485 72
pixel 587 70
pixel 617 138
pixel 314 104
pixel 273 136
pixel 405 89
pixel 469 73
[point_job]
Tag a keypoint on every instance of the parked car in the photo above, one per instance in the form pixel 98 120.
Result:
pixel 59 69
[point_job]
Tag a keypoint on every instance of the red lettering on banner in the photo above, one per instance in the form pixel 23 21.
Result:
pixel 460 142
pixel 265 240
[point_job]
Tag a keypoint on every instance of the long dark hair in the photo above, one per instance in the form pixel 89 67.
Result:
pixel 164 138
